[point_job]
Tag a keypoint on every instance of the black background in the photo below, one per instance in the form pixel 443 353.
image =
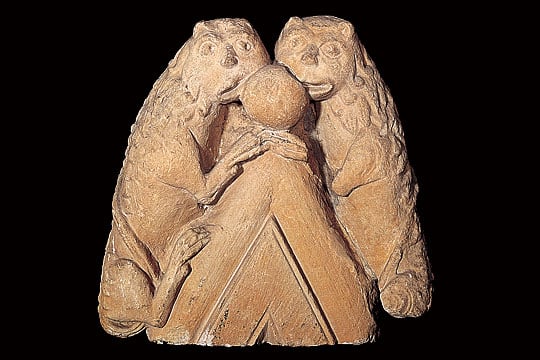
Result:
pixel 110 57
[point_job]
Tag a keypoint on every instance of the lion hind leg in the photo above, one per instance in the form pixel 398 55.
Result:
pixel 125 297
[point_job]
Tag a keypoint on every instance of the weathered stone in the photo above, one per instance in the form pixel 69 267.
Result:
pixel 265 202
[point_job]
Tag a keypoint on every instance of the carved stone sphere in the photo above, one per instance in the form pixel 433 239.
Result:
pixel 274 98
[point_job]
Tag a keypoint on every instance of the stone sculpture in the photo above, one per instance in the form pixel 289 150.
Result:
pixel 264 202
pixel 366 168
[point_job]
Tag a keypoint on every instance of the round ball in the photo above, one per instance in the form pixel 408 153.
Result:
pixel 274 98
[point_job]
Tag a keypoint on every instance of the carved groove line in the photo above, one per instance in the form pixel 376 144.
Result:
pixel 296 269
pixel 212 316
pixel 303 282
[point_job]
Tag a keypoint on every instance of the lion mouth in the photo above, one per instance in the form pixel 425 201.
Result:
pixel 230 93
pixel 318 91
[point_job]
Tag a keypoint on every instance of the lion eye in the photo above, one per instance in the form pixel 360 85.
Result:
pixel 207 48
pixel 244 45
pixel 297 42
pixel 331 49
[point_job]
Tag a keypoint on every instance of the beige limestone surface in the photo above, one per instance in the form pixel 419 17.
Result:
pixel 265 201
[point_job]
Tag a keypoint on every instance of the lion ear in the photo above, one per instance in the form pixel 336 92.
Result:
pixel 346 28
pixel 199 27
pixel 294 20
pixel 246 24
